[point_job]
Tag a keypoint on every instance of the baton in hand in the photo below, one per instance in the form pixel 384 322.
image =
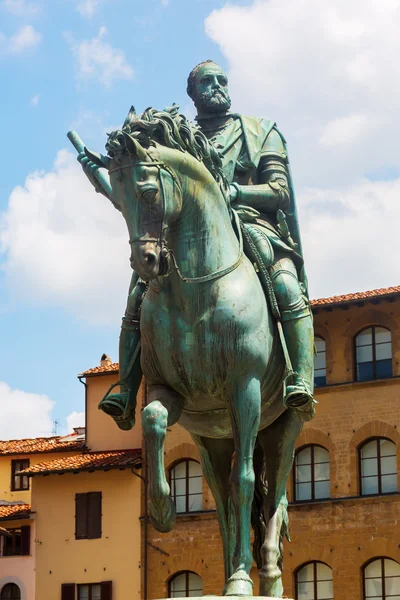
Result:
pixel 99 173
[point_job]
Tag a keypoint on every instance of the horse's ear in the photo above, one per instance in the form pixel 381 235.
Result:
pixel 135 148
pixel 131 117
pixel 98 159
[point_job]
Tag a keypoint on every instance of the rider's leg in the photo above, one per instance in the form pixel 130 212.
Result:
pixel 296 319
pixel 297 325
pixel 121 407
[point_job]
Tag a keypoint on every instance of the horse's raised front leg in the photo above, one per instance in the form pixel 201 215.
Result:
pixel 163 410
pixel 216 459
pixel 278 443
pixel 244 408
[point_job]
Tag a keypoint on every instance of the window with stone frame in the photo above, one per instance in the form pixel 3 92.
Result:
pixel 373 353
pixel 319 362
pixel 185 584
pixel 378 467
pixel 311 473
pixel 381 579
pixel 186 482
pixel 314 581
pixel 19 482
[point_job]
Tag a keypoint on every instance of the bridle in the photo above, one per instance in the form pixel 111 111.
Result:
pixel 166 252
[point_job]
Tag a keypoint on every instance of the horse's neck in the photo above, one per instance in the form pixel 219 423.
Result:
pixel 202 238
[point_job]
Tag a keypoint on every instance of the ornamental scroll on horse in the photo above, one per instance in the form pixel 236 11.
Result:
pixel 210 350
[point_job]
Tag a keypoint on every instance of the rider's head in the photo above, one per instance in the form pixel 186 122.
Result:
pixel 207 86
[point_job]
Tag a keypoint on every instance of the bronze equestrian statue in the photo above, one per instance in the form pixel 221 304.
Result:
pixel 218 317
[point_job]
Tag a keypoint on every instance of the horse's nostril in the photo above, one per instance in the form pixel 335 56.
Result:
pixel 150 258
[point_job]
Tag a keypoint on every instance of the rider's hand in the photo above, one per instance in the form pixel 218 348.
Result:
pixel 89 168
pixel 234 193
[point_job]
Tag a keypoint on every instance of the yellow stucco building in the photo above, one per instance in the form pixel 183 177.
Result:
pixel 79 501
pixel 17 517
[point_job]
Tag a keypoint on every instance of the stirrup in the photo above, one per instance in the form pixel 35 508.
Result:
pixel 296 394
pixel 119 408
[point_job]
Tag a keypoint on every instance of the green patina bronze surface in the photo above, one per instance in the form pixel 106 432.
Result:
pixel 218 318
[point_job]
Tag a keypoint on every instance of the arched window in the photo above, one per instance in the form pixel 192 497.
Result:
pixel 185 480
pixel 10 592
pixel 314 581
pixel 185 584
pixel 378 467
pixel 311 473
pixel 319 362
pixel 382 580
pixel 373 353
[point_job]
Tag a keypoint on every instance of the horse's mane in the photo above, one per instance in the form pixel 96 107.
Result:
pixel 168 128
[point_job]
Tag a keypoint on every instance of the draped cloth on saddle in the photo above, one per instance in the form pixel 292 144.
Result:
pixel 242 144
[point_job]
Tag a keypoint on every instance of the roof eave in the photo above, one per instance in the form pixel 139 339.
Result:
pixel 354 302
pixel 87 469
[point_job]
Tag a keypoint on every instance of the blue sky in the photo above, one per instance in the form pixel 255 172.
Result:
pixel 42 348
pixel 324 73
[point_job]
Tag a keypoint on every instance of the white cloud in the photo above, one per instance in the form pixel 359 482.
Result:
pixel 164 2
pixel 35 100
pixel 97 59
pixel 21 8
pixel 24 414
pixel 310 64
pixel 326 73
pixel 26 37
pixel 350 235
pixel 75 419
pixel 87 8
pixel 66 245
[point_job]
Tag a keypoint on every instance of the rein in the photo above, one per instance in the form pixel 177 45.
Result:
pixel 161 241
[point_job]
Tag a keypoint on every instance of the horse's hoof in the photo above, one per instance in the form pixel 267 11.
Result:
pixel 239 584
pixel 114 405
pixel 271 590
pixel 271 582
pixel 163 515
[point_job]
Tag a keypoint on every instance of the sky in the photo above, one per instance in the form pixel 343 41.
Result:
pixel 326 72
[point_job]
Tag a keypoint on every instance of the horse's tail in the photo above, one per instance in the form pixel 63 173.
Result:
pixel 257 511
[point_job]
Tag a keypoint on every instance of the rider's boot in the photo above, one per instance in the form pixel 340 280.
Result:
pixel 122 406
pixel 297 323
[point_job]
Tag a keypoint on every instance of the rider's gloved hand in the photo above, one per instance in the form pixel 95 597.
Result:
pixel 89 168
pixel 234 193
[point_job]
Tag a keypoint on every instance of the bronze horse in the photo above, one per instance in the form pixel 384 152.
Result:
pixel 210 350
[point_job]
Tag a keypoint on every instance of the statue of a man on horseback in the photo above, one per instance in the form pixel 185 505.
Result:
pixel 255 163
pixel 218 316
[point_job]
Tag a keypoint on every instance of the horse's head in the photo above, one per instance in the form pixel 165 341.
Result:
pixel 149 195
pixel 150 159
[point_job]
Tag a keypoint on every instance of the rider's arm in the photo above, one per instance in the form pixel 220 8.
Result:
pixel 271 191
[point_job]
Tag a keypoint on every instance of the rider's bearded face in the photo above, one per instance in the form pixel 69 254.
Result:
pixel 212 94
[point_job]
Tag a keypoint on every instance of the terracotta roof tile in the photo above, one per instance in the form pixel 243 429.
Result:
pixel 357 296
pixel 88 461
pixel 110 368
pixel 44 444
pixel 14 510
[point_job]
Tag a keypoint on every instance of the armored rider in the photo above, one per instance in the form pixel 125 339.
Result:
pixel 255 163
